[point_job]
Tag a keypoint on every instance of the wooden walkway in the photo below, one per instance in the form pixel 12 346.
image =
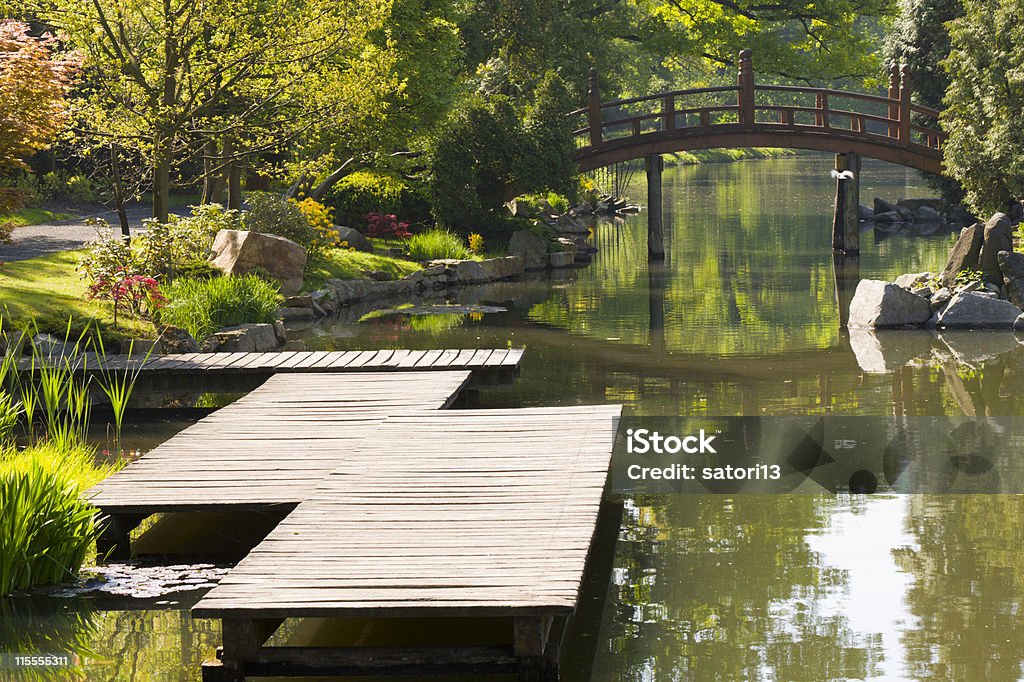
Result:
pixel 484 360
pixel 484 513
pixel 267 450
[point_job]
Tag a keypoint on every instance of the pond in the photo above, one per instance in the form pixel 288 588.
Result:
pixel 802 587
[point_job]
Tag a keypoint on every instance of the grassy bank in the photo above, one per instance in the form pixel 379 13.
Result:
pixel 32 216
pixel 726 155
pixel 50 290
pixel 344 264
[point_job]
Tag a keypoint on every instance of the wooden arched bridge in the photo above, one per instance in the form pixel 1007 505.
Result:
pixel 850 124
pixel 890 127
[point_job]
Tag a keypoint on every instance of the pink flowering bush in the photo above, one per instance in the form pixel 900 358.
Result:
pixel 133 294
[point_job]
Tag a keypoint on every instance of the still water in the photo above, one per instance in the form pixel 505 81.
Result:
pixel 788 588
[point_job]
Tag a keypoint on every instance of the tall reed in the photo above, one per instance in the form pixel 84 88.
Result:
pixel 119 386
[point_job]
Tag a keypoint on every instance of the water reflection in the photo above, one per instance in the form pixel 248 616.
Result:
pixel 742 319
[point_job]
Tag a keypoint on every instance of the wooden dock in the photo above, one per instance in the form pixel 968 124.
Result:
pixel 483 513
pixel 266 451
pixel 504 361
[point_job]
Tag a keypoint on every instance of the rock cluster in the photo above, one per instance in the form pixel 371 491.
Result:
pixel 981 287
pixel 912 211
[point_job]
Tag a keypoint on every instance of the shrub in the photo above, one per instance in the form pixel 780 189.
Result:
pixel 436 244
pixel 135 295
pixel 166 248
pixel 306 223
pixel 202 306
pixel 71 187
pixel 47 528
pixel 476 243
pixel 388 226
pixel 366 191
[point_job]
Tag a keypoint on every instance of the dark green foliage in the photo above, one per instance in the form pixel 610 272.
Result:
pixel 984 103
pixel 366 191
pixel 920 40
pixel 489 151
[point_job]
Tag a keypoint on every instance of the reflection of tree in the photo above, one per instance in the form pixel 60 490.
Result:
pixel 44 625
pixel 749 267
pixel 152 645
pixel 713 588
pixel 968 587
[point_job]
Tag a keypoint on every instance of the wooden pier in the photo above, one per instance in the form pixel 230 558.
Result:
pixel 503 361
pixel 455 514
pixel 266 451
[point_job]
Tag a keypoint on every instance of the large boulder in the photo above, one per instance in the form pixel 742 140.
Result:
pixel 881 305
pixel 975 310
pixel 932 203
pixel 915 280
pixel 532 248
pixel 998 236
pixel 502 268
pixel 177 340
pixel 246 338
pixel 964 254
pixel 238 252
pixel 353 239
pixel 1011 264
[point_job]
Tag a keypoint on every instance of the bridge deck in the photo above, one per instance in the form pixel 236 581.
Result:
pixel 482 360
pixel 483 513
pixel 272 446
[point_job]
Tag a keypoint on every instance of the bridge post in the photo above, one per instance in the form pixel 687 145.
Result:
pixel 594 119
pixel 894 95
pixel 745 94
pixel 846 218
pixel 655 209
pixel 846 271
pixel 905 86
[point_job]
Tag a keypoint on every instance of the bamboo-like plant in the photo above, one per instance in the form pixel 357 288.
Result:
pixel 118 386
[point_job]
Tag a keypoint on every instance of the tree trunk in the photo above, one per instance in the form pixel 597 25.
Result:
pixel 161 178
pixel 122 215
pixel 234 176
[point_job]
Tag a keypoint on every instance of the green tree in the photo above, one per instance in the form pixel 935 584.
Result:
pixel 172 78
pixel 984 103
pixel 919 39
pixel 494 148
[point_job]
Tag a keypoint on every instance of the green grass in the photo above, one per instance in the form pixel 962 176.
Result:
pixel 33 216
pixel 202 306
pixel 344 264
pixel 725 155
pixel 437 244
pixel 50 290
pixel 46 528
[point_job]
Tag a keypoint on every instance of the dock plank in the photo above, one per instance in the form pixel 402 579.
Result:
pixel 459 513
pixel 274 445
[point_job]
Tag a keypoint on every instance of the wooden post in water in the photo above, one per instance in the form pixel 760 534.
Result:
pixel 594 119
pixel 846 218
pixel 846 271
pixel 655 209
pixel 894 95
pixel 745 94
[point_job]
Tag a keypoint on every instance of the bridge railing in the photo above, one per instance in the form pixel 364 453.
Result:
pixel 891 117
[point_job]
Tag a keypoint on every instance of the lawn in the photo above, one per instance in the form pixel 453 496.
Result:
pixel 344 264
pixel 32 216
pixel 50 290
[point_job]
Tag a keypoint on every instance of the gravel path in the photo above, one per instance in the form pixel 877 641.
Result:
pixel 37 240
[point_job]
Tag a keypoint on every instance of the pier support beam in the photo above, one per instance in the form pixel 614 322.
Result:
pixel 846 219
pixel 655 209
pixel 846 269
pixel 114 541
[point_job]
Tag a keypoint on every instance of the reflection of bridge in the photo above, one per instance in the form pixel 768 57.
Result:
pixel 849 124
